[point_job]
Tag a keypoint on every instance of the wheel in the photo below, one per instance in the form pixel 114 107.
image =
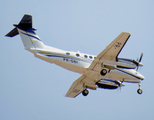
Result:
pixel 139 91
pixel 103 72
pixel 85 92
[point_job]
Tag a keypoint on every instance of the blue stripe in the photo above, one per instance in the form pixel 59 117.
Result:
pixel 31 36
pixel 124 67
pixel 128 73
pixel 31 31
pixel 126 61
pixel 109 80
pixel 68 57
pixel 129 60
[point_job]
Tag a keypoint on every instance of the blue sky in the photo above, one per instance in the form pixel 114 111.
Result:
pixel 32 89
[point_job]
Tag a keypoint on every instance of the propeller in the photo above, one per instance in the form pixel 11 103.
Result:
pixel 120 83
pixel 139 62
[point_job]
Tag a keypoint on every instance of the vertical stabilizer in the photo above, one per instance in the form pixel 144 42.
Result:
pixel 27 33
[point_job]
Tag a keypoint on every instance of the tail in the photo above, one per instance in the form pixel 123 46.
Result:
pixel 27 33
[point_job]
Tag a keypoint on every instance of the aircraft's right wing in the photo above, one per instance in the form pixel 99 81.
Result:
pixel 79 85
pixel 111 52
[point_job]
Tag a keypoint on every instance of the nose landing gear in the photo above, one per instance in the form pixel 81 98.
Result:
pixel 139 91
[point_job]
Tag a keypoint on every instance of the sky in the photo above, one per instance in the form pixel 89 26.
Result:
pixel 32 89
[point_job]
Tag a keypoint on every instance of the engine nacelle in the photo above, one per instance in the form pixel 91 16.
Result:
pixel 109 84
pixel 126 63
pixel 90 86
pixel 109 66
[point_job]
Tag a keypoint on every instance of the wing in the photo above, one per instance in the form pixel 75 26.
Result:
pixel 112 51
pixel 80 85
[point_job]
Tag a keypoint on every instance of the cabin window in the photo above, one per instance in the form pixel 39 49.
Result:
pixel 67 53
pixel 77 55
pixel 90 57
pixel 85 56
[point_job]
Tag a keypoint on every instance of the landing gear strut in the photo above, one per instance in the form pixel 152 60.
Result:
pixel 139 91
pixel 85 92
pixel 103 72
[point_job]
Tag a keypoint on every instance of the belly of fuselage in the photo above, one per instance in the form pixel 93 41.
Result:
pixel 72 64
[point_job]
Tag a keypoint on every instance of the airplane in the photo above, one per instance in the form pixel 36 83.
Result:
pixel 105 70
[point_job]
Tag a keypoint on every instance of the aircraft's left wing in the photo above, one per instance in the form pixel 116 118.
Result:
pixel 78 86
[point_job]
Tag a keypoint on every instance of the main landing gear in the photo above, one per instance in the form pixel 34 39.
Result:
pixel 139 91
pixel 103 72
pixel 85 92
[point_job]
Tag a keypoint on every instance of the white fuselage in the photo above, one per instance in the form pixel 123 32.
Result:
pixel 79 62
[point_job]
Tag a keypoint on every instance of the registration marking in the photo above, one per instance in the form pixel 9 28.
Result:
pixel 70 60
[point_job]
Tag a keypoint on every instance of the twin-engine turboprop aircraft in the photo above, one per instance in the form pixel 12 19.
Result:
pixel 105 70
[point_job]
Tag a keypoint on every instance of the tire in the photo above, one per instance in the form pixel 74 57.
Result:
pixel 85 92
pixel 103 72
pixel 139 91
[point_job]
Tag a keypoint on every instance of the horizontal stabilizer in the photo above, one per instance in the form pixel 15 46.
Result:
pixel 12 33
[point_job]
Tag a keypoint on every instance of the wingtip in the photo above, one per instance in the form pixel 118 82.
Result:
pixel 126 33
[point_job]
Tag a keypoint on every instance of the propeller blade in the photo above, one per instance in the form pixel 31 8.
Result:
pixel 139 62
pixel 137 68
pixel 141 57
